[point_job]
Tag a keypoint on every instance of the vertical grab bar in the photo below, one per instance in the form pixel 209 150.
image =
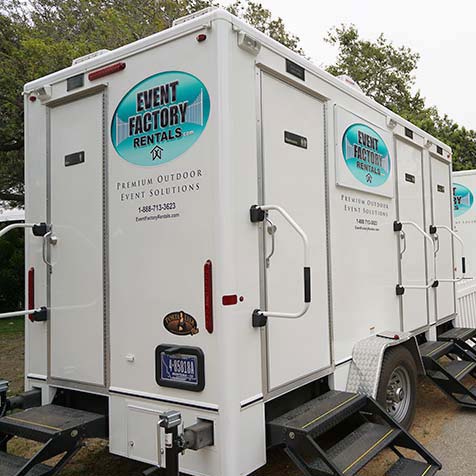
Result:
pixel 38 229
pixel 258 214
pixel 398 227
pixel 463 258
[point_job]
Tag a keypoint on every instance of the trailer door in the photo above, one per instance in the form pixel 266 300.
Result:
pixel 76 289
pixel 443 215
pixel 413 250
pixel 294 178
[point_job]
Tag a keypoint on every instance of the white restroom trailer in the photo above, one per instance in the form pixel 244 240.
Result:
pixel 167 289
pixel 464 188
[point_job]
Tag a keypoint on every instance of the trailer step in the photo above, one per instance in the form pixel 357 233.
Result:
pixel 457 369
pixel 409 467
pixel 61 429
pixel 338 433
pixel 43 423
pixel 449 376
pixel 10 465
pixel 322 413
pixel 435 349
pixel 352 453
pixel 458 334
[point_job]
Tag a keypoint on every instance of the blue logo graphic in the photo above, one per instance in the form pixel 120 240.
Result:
pixel 462 199
pixel 160 118
pixel 366 155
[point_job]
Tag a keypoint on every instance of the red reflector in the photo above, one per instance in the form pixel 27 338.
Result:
pixel 114 68
pixel 229 300
pixel 31 291
pixel 201 37
pixel 208 295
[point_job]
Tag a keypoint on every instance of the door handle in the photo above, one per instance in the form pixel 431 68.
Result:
pixel 51 239
pixel 272 229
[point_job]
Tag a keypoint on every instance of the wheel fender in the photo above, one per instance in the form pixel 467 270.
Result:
pixel 367 359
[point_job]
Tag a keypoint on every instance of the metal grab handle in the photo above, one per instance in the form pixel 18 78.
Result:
pixel 45 247
pixel 26 312
pixel 272 228
pixel 258 214
pixel 397 226
pixel 463 258
pixel 403 236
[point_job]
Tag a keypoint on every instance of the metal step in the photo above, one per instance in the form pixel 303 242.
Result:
pixel 11 464
pixel 409 467
pixel 458 369
pixel 458 333
pixel 320 414
pixel 467 400
pixel 353 452
pixel 435 349
pixel 43 423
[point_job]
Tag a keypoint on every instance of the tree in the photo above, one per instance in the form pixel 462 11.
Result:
pixel 38 37
pixel 385 73
pixel 262 19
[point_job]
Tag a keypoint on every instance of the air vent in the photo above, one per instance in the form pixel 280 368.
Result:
pixel 295 70
pixel 192 16
pixel 439 150
pixel 89 56
pixel 408 133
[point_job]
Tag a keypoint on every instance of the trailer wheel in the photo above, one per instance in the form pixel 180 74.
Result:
pixel 397 389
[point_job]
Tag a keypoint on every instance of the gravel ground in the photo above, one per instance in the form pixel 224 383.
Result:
pixel 440 425
pixel 454 446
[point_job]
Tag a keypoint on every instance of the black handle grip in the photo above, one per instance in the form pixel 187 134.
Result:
pixel 463 264
pixel 307 284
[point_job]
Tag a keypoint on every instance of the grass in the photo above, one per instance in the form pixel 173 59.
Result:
pixel 95 460
pixel 12 326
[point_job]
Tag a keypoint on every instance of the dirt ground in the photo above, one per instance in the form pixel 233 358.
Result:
pixel 434 411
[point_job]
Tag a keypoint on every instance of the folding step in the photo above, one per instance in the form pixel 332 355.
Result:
pixel 320 414
pixel 352 453
pixel 43 423
pixel 61 429
pixel 458 334
pixel 448 376
pixel 458 369
pixel 338 433
pixel 409 467
pixel 10 465
pixel 469 399
pixel 435 349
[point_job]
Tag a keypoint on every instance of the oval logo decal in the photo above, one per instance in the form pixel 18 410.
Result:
pixel 160 118
pixel 366 155
pixel 181 324
pixel 463 199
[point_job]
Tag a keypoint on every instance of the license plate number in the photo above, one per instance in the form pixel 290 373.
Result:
pixel 179 368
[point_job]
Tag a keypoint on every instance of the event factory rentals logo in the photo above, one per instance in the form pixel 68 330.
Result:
pixel 160 118
pixel 366 155
pixel 462 199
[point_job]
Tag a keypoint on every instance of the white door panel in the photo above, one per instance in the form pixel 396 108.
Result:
pixel 76 209
pixel 442 213
pixel 413 264
pixel 294 178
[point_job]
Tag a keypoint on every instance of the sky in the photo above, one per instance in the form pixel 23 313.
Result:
pixel 443 33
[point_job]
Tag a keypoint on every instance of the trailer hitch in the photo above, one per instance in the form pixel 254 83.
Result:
pixel 195 437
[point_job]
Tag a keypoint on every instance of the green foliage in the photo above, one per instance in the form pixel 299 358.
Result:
pixel 38 37
pixel 12 326
pixel 386 73
pixel 12 271
pixel 262 19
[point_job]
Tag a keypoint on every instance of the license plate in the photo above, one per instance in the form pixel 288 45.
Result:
pixel 179 368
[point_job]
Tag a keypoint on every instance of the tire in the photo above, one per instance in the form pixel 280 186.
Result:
pixel 397 390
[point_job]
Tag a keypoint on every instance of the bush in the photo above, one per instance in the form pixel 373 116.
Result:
pixel 12 273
